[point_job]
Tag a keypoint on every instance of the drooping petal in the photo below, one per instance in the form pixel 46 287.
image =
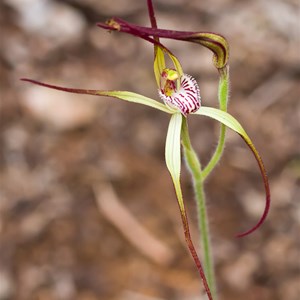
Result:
pixel 173 161
pixel 173 155
pixel 123 95
pixel 233 124
pixel 185 96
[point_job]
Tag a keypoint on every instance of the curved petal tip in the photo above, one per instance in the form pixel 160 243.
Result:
pixel 261 221
pixel 267 200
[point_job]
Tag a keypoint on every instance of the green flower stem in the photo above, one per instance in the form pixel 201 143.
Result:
pixel 223 95
pixel 194 167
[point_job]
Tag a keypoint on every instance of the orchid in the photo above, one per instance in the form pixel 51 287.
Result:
pixel 180 95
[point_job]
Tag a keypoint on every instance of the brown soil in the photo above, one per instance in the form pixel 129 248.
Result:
pixel 59 152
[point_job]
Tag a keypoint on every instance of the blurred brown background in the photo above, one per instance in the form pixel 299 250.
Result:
pixel 87 208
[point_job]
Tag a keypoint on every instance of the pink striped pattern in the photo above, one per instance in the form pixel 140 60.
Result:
pixel 187 98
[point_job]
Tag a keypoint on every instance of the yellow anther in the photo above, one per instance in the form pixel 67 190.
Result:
pixel 172 74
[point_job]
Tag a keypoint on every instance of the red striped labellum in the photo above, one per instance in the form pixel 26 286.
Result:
pixel 180 92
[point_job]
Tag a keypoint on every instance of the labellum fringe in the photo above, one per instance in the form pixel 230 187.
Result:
pixel 181 93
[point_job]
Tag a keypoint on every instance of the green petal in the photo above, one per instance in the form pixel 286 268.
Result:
pixel 123 95
pixel 233 124
pixel 222 117
pixel 136 98
pixel 173 154
pixel 176 63
pixel 159 64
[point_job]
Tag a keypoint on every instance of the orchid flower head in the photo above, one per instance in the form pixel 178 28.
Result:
pixel 180 94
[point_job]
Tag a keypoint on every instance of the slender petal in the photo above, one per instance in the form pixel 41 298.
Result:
pixel 173 161
pixel 123 95
pixel 213 41
pixel 173 156
pixel 233 124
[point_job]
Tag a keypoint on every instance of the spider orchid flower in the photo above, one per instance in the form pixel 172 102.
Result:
pixel 180 94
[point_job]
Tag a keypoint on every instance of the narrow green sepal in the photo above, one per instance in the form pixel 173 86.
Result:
pixel 233 124
pixel 173 154
pixel 123 95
